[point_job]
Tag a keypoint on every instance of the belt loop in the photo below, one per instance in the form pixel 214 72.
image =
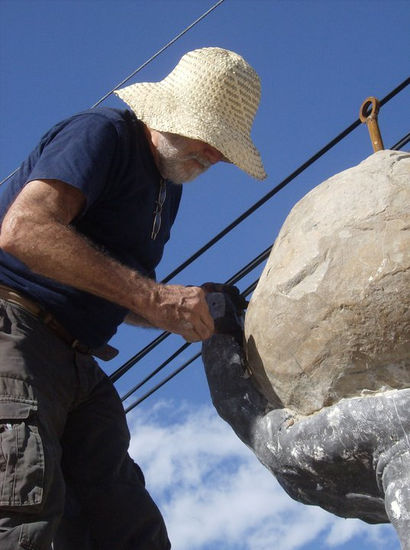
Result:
pixel 75 343
pixel 78 346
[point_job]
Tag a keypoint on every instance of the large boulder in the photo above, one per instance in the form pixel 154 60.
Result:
pixel 330 317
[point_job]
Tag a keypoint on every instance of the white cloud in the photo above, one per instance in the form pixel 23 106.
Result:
pixel 214 494
pixel 342 531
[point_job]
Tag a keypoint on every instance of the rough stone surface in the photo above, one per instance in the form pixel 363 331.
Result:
pixel 330 317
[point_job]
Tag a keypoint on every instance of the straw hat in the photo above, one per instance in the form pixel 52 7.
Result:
pixel 211 95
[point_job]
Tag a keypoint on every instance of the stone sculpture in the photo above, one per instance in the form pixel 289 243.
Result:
pixel 321 389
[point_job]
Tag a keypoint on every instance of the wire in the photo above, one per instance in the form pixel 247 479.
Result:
pixel 234 279
pixel 159 52
pixel 10 175
pixel 162 383
pixel 400 144
pixel 250 288
pixel 205 14
pixel 131 362
pixel 245 293
pixel 281 185
pixel 156 371
pixel 126 366
pixel 395 91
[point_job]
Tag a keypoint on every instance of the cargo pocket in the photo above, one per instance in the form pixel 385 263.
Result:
pixel 21 453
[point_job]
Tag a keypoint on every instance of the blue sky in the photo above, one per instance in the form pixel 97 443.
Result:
pixel 318 60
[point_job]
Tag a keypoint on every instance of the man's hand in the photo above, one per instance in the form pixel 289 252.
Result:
pixel 182 310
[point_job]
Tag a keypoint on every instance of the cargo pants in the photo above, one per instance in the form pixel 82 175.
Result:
pixel 66 479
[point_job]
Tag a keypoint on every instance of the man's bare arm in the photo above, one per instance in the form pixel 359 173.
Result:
pixel 36 230
pixel 137 320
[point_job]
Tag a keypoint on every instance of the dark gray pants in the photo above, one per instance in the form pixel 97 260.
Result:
pixel 62 425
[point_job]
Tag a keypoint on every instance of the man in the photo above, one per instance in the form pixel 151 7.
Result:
pixel 84 223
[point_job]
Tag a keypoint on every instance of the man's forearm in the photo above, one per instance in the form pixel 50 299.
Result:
pixel 59 252
pixel 37 231
pixel 137 321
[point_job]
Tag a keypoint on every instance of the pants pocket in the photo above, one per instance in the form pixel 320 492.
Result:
pixel 21 451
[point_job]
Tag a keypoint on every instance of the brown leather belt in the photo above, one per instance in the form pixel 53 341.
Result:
pixel 105 352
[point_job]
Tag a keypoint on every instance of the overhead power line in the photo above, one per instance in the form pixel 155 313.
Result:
pixel 245 293
pixel 281 185
pixel 159 52
pixel 400 144
pixel 162 383
pixel 142 353
pixel 147 349
pixel 231 281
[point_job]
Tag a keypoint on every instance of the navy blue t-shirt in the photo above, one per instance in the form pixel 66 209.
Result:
pixel 105 153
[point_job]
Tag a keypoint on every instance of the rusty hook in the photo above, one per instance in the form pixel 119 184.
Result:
pixel 371 121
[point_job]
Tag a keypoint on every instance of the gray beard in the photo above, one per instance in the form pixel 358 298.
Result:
pixel 173 164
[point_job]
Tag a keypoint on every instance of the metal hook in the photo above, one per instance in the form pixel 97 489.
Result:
pixel 371 121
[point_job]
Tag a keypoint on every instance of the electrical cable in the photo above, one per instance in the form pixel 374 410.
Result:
pixel 131 362
pixel 248 290
pixel 162 383
pixel 159 52
pixel 281 185
pixel 244 293
pixel 148 348
pixel 137 357
pixel 126 366
pixel 10 175
pixel 400 144
pixel 156 371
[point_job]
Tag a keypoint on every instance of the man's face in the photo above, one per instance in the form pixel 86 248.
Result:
pixel 181 159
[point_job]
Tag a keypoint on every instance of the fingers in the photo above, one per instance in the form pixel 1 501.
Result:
pixel 198 324
pixel 201 330
pixel 182 310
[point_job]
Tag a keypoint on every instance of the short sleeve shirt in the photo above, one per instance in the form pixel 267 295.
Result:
pixel 104 153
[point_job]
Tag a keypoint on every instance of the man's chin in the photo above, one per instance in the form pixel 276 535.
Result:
pixel 186 176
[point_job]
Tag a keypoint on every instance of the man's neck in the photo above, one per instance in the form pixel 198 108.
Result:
pixel 152 137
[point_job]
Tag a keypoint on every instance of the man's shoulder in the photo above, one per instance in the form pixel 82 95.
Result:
pixel 94 125
pixel 103 115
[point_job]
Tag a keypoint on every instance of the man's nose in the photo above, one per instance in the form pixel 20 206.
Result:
pixel 213 155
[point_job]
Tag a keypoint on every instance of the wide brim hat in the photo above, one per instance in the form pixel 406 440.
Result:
pixel 211 95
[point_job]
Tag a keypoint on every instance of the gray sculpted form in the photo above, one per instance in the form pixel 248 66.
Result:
pixel 323 395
